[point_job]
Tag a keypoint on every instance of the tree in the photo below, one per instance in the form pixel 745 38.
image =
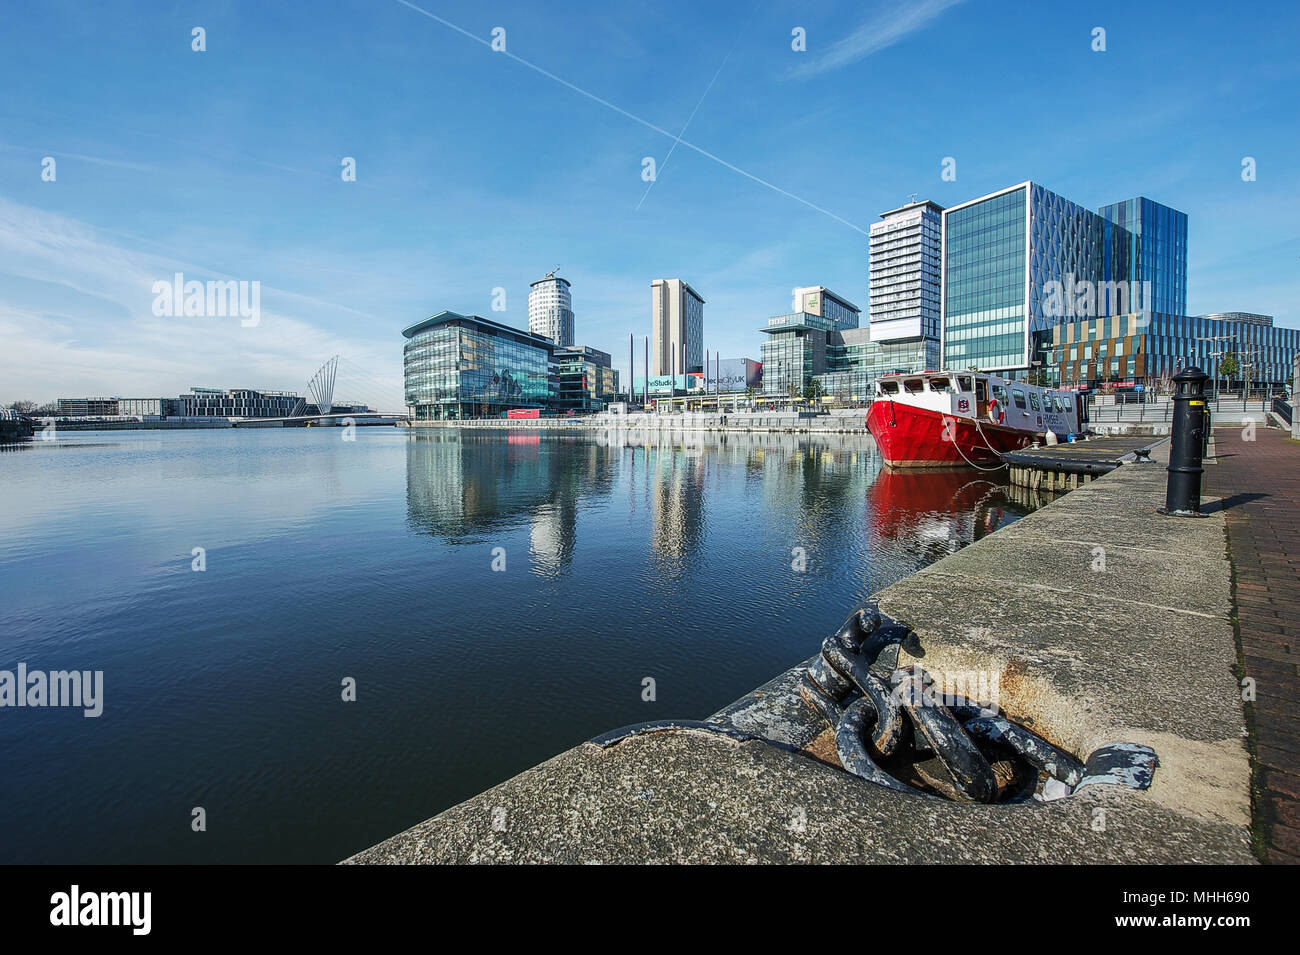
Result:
pixel 813 390
pixel 1229 368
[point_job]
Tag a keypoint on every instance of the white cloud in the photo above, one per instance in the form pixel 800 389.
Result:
pixel 887 26
pixel 76 318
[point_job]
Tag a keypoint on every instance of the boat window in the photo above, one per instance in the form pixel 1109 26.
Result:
pixel 981 390
pixel 1067 403
pixel 914 386
pixel 941 385
pixel 889 387
pixel 1020 398
pixel 1000 393
pixel 963 382
pixel 1033 401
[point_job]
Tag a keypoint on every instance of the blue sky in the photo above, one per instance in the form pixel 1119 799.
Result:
pixel 477 171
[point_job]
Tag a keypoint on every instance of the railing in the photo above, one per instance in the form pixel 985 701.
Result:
pixel 1282 408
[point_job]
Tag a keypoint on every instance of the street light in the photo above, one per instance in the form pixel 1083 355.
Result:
pixel 1216 355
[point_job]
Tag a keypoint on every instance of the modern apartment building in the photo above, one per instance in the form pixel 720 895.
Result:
pixel 237 403
pixel 904 275
pixel 676 328
pixel 550 309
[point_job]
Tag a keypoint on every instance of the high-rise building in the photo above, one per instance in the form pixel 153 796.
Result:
pixel 1151 250
pixel 550 309
pixel 1034 283
pixel 904 275
pixel 676 323
pixel 1023 260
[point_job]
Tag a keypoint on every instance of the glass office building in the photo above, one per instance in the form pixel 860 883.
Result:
pixel 1138 349
pixel 829 347
pixel 985 282
pixel 797 345
pixel 462 366
pixel 1020 262
pixel 1146 244
pixel 586 382
pixel 856 362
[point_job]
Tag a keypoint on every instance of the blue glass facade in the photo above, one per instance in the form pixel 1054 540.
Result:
pixel 984 282
pixel 1067 253
pixel 1141 348
pixel 1147 245
pixel 1021 262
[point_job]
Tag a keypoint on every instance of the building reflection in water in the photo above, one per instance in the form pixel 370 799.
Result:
pixel 828 493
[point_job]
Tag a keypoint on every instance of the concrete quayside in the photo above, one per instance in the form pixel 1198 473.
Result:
pixel 1097 621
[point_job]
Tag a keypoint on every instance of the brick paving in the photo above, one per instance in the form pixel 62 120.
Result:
pixel 1260 483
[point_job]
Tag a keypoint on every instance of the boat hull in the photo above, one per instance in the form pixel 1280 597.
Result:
pixel 15 429
pixel 911 437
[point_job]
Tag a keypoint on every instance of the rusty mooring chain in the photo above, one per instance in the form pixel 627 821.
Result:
pixel 893 728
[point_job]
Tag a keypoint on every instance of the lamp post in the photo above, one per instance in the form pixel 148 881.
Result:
pixel 1216 355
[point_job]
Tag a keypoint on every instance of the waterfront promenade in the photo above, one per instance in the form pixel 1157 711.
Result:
pixel 1137 646
pixel 1259 482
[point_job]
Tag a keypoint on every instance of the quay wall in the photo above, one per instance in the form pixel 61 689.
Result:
pixel 854 422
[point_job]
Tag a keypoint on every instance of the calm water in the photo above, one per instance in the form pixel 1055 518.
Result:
pixel 373 560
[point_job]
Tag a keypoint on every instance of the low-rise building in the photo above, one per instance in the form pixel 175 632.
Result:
pixel 1139 349
pixel 464 366
pixel 88 407
pixel 237 403
pixel 586 380
pixel 796 349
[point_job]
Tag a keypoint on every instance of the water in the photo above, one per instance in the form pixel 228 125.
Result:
pixel 372 560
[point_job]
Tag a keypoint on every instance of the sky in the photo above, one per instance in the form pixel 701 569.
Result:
pixel 478 169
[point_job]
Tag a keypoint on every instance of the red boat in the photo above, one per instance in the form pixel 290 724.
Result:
pixel 946 419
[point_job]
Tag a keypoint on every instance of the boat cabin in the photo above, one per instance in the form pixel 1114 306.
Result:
pixel 987 398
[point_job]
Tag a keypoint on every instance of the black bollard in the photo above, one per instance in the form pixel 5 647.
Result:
pixel 1187 444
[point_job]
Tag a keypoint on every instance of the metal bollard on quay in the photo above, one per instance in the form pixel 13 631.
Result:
pixel 1187 442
